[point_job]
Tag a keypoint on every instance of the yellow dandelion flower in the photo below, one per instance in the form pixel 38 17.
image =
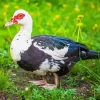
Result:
pixel 6 6
pixel 27 1
pixel 36 4
pixel 80 16
pixel 96 25
pixel 56 17
pixel 65 5
pixel 77 9
pixel 16 7
pixel 49 4
pixel 79 24
pixel 92 5
pixel 77 18
pixel 67 17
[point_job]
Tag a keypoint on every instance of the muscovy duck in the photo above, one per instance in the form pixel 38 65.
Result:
pixel 44 53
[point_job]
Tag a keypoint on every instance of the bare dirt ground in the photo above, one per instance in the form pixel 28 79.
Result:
pixel 21 78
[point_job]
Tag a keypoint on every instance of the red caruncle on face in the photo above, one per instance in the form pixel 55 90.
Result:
pixel 17 17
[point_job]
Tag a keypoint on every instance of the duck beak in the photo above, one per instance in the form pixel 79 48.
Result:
pixel 11 22
pixel 8 24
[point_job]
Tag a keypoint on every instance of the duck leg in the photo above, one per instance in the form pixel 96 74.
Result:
pixel 51 86
pixel 40 82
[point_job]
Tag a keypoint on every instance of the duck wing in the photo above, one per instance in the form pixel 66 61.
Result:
pixel 57 47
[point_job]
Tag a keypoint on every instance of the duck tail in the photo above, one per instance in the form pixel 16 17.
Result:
pixel 90 54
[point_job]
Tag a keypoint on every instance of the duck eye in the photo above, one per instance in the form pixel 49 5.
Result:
pixel 20 15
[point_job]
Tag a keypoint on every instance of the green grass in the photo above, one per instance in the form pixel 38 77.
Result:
pixel 4 80
pixel 78 20
pixel 35 93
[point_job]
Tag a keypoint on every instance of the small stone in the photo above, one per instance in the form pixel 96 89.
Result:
pixel 26 89
pixel 13 74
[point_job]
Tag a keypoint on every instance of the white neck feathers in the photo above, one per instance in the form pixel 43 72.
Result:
pixel 22 41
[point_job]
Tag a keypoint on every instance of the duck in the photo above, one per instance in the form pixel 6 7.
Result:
pixel 45 53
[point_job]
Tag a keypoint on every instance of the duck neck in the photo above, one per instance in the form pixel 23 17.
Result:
pixel 26 27
pixel 24 33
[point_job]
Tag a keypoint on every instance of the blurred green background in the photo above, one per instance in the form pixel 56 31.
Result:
pixel 75 19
